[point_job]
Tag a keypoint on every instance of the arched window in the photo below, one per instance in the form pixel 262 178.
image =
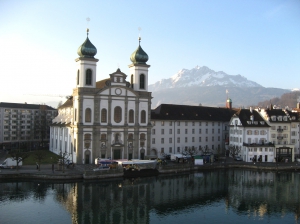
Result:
pixel 88 115
pixel 143 116
pixel 131 116
pixel 142 81
pixel 78 77
pixel 88 77
pixel 142 136
pixel 103 136
pixel 87 140
pixel 104 115
pixel 131 81
pixel 130 136
pixel 118 114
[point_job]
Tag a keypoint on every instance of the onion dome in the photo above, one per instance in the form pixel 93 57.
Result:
pixel 139 56
pixel 87 49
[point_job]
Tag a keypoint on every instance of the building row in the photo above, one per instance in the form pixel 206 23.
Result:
pixel 112 118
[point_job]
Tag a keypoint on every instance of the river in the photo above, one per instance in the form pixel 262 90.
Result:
pixel 222 196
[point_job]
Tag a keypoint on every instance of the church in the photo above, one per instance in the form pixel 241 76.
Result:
pixel 109 118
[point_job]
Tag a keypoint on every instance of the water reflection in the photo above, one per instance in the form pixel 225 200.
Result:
pixel 243 195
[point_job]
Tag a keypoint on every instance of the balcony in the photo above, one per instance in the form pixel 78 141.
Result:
pixel 280 137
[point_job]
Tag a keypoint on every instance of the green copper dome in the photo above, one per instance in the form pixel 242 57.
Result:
pixel 139 56
pixel 87 49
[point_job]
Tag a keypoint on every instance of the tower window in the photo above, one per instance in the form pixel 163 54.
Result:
pixel 143 116
pixel 131 81
pixel 78 77
pixel 88 77
pixel 118 114
pixel 131 116
pixel 142 81
pixel 104 115
pixel 88 115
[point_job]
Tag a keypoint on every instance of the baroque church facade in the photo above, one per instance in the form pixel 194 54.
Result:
pixel 108 118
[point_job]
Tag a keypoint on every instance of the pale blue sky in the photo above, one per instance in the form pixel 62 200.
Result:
pixel 259 39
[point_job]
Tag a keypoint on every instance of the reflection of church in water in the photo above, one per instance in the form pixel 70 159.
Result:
pixel 108 118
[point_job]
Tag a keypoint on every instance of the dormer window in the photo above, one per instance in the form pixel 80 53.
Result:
pixel 273 118
pixel 262 122
pixel 285 118
pixel 279 118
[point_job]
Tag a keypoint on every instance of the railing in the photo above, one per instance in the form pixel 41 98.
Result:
pixel 280 130
pixel 280 137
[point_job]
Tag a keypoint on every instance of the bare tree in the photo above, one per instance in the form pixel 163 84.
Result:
pixel 64 159
pixel 205 150
pixel 39 155
pixel 234 150
pixel 191 152
pixel 19 155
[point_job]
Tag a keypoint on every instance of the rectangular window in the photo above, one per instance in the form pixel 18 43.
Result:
pixel 206 131
pixel 170 123
pixel 162 140
pixel 199 123
pixel 186 139
pixel 193 123
pixel 162 131
pixel 213 131
pixel 213 138
pixel 206 123
pixel 206 139
pixel 178 123
pixel 219 138
pixel 170 149
pixel 186 131
pixel 178 149
pixel 153 131
pixel 153 140
pixel 213 124
pixel 193 131
pixel 219 131
pixel 162 150
pixel 186 123
pixel 178 140
pixel 170 140
pixel 162 123
pixel 193 139
pixel 178 131
pixel 200 131
pixel 170 131
pixel 199 139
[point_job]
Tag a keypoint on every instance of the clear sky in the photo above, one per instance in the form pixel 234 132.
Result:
pixel 259 39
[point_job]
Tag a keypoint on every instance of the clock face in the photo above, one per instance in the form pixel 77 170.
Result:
pixel 118 91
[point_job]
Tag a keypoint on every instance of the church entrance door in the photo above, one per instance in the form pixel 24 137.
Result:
pixel 117 154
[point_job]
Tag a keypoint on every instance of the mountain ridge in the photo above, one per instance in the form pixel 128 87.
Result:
pixel 209 88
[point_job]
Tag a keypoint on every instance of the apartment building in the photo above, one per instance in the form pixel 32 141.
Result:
pixel 25 125
pixel 177 127
pixel 249 132
pixel 284 132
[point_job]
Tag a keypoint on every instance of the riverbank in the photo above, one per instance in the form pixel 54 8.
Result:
pixel 86 171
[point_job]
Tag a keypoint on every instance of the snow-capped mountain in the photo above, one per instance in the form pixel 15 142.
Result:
pixel 202 76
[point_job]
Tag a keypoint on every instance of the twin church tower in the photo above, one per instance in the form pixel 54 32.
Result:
pixel 109 118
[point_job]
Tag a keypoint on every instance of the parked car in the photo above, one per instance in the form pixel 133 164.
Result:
pixel 238 158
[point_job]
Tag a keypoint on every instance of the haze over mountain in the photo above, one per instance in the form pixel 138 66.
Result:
pixel 202 85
